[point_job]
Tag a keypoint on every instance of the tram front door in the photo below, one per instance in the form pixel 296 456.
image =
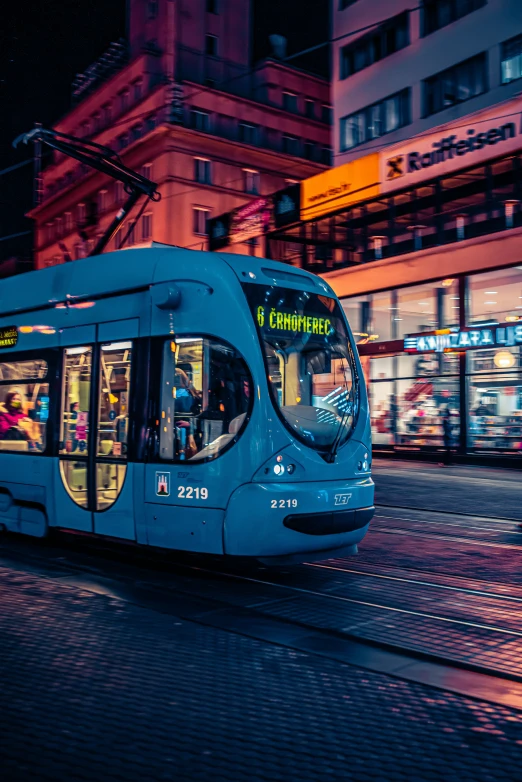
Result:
pixel 94 486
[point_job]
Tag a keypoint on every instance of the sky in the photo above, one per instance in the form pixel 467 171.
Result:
pixel 41 51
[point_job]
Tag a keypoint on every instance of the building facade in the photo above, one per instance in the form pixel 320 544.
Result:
pixel 398 73
pixel 182 103
pixel 422 242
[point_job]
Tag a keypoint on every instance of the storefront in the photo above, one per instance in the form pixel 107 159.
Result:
pixel 473 368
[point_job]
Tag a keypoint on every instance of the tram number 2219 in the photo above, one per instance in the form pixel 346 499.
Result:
pixel 193 492
pixel 283 503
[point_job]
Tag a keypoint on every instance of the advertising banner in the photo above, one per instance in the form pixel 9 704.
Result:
pixel 250 220
pixel 467 142
pixel 339 187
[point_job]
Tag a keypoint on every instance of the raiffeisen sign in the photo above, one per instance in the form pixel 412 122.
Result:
pixel 452 147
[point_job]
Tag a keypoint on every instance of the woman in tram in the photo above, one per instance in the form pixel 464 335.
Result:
pixel 14 423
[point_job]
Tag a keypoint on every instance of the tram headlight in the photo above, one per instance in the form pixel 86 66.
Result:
pixel 290 468
pixel 279 469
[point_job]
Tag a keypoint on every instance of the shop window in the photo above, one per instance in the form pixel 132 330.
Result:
pixel 456 84
pixel 24 406
pixel 495 404
pixel 496 297
pixel 206 393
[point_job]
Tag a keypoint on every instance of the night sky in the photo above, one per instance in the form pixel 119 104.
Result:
pixel 43 48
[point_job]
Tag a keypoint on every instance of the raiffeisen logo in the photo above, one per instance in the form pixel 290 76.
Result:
pixel 453 146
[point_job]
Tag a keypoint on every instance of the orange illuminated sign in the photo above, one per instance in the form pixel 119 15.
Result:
pixel 339 187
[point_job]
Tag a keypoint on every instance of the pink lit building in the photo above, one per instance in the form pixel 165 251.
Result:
pixel 181 102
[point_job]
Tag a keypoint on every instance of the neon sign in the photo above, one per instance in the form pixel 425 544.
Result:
pixel 442 341
pixel 278 320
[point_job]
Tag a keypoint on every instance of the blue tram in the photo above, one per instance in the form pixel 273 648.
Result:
pixel 200 402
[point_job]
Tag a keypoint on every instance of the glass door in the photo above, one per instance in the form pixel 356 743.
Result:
pixel 93 452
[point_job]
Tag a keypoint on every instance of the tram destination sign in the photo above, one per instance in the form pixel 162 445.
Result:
pixel 8 336
pixel 467 339
pixel 291 322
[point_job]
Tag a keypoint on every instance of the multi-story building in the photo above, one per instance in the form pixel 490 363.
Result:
pixel 181 102
pixel 399 72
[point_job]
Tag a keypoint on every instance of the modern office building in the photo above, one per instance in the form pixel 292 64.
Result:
pixel 182 102
pixel 399 72
pixel 422 242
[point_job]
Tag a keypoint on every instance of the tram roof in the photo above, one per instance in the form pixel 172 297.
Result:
pixel 132 269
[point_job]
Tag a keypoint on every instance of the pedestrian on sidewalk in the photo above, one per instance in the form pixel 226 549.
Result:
pixel 446 434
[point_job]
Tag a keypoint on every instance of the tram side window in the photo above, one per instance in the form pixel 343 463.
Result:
pixel 74 420
pixel 113 413
pixel 24 406
pixel 206 396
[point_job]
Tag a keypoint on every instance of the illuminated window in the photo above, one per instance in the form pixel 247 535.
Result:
pixel 455 85
pixel 376 120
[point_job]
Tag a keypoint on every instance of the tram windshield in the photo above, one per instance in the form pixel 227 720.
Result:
pixel 309 360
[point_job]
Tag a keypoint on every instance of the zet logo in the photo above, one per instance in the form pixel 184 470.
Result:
pixel 394 167
pixel 342 499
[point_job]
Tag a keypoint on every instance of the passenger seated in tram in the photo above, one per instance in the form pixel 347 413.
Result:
pixel 14 422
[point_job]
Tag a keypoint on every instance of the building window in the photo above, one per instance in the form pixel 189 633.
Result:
pixel 326 156
pixel 200 120
pixel 122 141
pixel 456 84
pixel 136 132
pixel 247 133
pixel 309 150
pixel 511 59
pixel 79 251
pixel 153 9
pixel 102 200
pixel 202 171
pixel 106 114
pixel 201 217
pixel 137 90
pixel 439 13
pixel 81 215
pixel 309 108
pixel 146 171
pixel 124 100
pixel 291 145
pixel 211 45
pixel 251 181
pixel 96 122
pixel 59 227
pixel 383 41
pixel 49 232
pixel 146 227
pixel 68 223
pixel 326 114
pixel 290 102
pixel 212 6
pixel 85 128
pixel 210 82
pixel 375 120
pixel 119 192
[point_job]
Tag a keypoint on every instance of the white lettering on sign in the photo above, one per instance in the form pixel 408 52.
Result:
pixel 506 336
pixel 192 493
pixel 283 503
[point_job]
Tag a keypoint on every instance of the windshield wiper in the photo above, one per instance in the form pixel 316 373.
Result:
pixel 329 457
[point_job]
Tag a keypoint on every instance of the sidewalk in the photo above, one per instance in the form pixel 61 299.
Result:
pixel 481 491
